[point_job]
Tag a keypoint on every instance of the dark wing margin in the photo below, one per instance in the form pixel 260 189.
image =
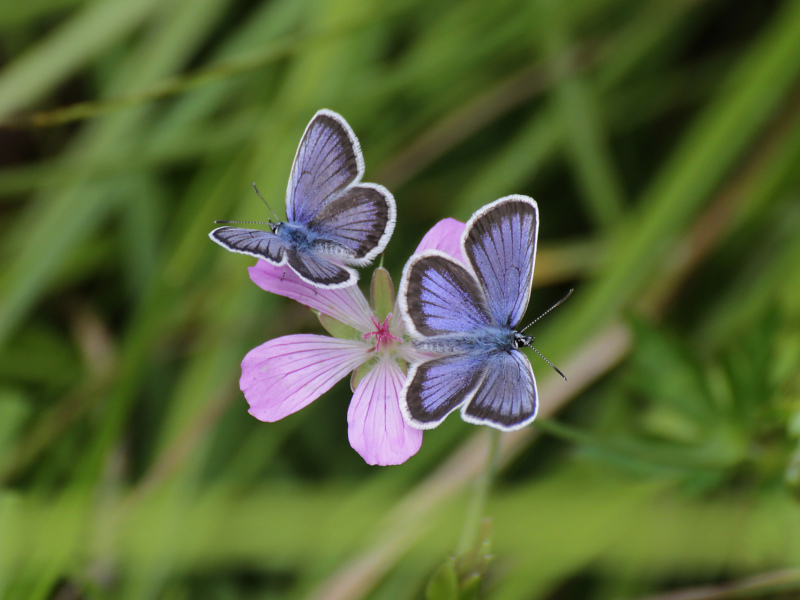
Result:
pixel 319 271
pixel 439 296
pixel 360 220
pixel 253 242
pixel 500 243
pixel 437 387
pixel 507 398
pixel 328 159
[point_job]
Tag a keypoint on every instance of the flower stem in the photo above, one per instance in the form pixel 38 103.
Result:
pixel 480 492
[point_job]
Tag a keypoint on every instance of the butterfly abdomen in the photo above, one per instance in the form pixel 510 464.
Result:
pixel 481 341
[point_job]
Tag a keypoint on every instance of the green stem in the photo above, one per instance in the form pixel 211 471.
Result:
pixel 480 492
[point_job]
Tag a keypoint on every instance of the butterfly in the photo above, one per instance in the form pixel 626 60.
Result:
pixel 467 316
pixel 332 219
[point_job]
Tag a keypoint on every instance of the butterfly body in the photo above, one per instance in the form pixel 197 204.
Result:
pixel 480 341
pixel 298 237
pixel 467 315
pixel 333 220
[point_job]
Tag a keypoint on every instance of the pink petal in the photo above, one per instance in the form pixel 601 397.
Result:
pixel 446 237
pixel 376 428
pixel 288 373
pixel 347 305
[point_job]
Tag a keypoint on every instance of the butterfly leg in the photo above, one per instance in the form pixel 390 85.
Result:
pixel 283 274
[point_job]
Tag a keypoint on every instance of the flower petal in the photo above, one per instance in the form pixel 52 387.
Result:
pixel 288 373
pixel 376 428
pixel 347 305
pixel 445 236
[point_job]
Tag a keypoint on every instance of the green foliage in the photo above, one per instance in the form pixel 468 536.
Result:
pixel 444 583
pixel 337 328
pixel 661 139
pixel 461 577
pixel 706 425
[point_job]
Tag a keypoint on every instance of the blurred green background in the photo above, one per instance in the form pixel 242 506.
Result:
pixel 661 139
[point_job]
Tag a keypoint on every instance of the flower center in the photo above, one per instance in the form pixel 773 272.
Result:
pixel 381 332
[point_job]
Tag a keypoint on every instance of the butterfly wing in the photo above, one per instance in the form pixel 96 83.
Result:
pixel 359 221
pixel 319 270
pixel 439 296
pixel 328 160
pixel 506 398
pixel 500 244
pixel 437 387
pixel 253 242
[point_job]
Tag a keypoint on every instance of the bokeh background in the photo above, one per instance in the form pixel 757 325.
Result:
pixel 661 139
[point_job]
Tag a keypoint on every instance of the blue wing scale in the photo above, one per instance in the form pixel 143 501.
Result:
pixel 360 221
pixel 507 397
pixel 253 242
pixel 437 387
pixel 441 297
pixel 320 271
pixel 500 243
pixel 328 160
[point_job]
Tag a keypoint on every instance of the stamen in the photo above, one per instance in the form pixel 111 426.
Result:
pixel 381 332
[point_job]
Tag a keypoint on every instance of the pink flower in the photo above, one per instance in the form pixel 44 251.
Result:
pixel 445 236
pixel 283 375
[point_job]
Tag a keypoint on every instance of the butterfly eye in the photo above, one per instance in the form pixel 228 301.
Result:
pixel 521 340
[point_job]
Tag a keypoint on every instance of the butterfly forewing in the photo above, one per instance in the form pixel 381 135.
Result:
pixel 500 244
pixel 360 220
pixel 441 296
pixel 254 242
pixel 328 159
pixel 507 396
pixel 437 387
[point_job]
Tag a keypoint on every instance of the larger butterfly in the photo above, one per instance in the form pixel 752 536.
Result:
pixel 468 315
pixel 333 219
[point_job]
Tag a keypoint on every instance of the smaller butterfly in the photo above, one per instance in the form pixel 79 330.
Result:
pixel 333 219
pixel 468 315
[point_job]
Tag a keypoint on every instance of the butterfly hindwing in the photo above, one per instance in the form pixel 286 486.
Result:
pixel 360 220
pixel 439 296
pixel 319 271
pixel 437 387
pixel 328 160
pixel 500 243
pixel 507 397
pixel 254 242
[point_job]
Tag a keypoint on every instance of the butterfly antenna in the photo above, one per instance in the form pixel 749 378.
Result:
pixel 569 293
pixel 265 202
pixel 243 222
pixel 548 362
